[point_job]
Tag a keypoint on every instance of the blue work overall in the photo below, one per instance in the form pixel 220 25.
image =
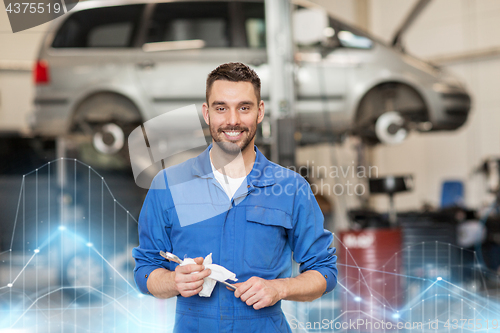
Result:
pixel 272 215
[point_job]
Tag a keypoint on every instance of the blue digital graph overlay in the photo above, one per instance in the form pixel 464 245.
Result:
pixel 67 267
pixel 68 264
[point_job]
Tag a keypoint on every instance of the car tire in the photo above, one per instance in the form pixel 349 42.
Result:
pixel 105 121
pixel 83 277
pixel 387 98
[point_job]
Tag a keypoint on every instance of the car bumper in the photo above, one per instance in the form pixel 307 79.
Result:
pixel 456 108
pixel 452 107
pixel 50 117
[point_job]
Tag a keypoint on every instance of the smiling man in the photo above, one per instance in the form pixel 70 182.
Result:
pixel 250 213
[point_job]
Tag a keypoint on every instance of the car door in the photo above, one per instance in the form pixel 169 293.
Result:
pixel 366 64
pixel 323 72
pixel 184 41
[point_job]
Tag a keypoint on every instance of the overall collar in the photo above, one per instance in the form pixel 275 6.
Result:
pixel 262 173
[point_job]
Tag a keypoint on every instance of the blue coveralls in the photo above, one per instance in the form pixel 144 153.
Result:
pixel 272 215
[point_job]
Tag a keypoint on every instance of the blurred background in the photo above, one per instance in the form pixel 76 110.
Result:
pixel 389 109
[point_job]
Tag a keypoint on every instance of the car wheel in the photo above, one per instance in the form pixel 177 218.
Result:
pixel 108 139
pixel 104 122
pixel 390 128
pixel 83 277
pixel 384 105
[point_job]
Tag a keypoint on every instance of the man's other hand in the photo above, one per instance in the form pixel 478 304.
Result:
pixel 189 278
pixel 258 292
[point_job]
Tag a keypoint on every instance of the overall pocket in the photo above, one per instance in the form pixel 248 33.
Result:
pixel 265 236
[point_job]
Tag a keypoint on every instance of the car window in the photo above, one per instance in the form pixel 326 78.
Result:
pixel 110 35
pixel 350 38
pixel 255 24
pixel 206 22
pixel 100 27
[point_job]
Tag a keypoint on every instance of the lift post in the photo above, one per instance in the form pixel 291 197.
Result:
pixel 282 85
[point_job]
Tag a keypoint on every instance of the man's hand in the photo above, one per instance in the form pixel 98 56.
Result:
pixel 188 284
pixel 259 292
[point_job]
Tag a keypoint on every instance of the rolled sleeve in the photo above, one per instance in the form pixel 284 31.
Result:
pixel 310 242
pixel 329 272
pixel 154 230
pixel 141 276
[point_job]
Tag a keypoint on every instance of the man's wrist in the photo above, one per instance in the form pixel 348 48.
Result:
pixel 281 286
pixel 161 283
pixel 175 283
pixel 169 278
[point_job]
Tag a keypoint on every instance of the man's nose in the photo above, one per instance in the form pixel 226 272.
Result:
pixel 233 117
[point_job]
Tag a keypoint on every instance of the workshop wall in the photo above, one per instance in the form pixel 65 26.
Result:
pixel 345 10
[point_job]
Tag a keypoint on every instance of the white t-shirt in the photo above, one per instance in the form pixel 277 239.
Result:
pixel 230 185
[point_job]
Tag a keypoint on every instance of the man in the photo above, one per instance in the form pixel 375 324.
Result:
pixel 250 213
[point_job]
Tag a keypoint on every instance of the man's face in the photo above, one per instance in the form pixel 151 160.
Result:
pixel 232 114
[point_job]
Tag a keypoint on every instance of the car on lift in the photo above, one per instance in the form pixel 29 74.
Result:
pixel 108 66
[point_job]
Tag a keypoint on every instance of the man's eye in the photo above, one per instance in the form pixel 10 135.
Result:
pixel 220 109
pixel 245 108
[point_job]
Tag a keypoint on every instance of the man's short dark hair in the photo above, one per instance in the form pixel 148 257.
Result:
pixel 234 72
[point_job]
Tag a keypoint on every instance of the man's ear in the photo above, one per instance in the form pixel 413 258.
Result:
pixel 204 110
pixel 261 111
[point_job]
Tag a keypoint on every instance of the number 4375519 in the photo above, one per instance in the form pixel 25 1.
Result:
pixel 33 8
pixel 472 324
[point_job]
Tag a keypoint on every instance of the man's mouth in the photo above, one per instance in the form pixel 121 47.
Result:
pixel 233 135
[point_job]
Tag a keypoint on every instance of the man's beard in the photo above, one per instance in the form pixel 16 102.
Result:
pixel 229 147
